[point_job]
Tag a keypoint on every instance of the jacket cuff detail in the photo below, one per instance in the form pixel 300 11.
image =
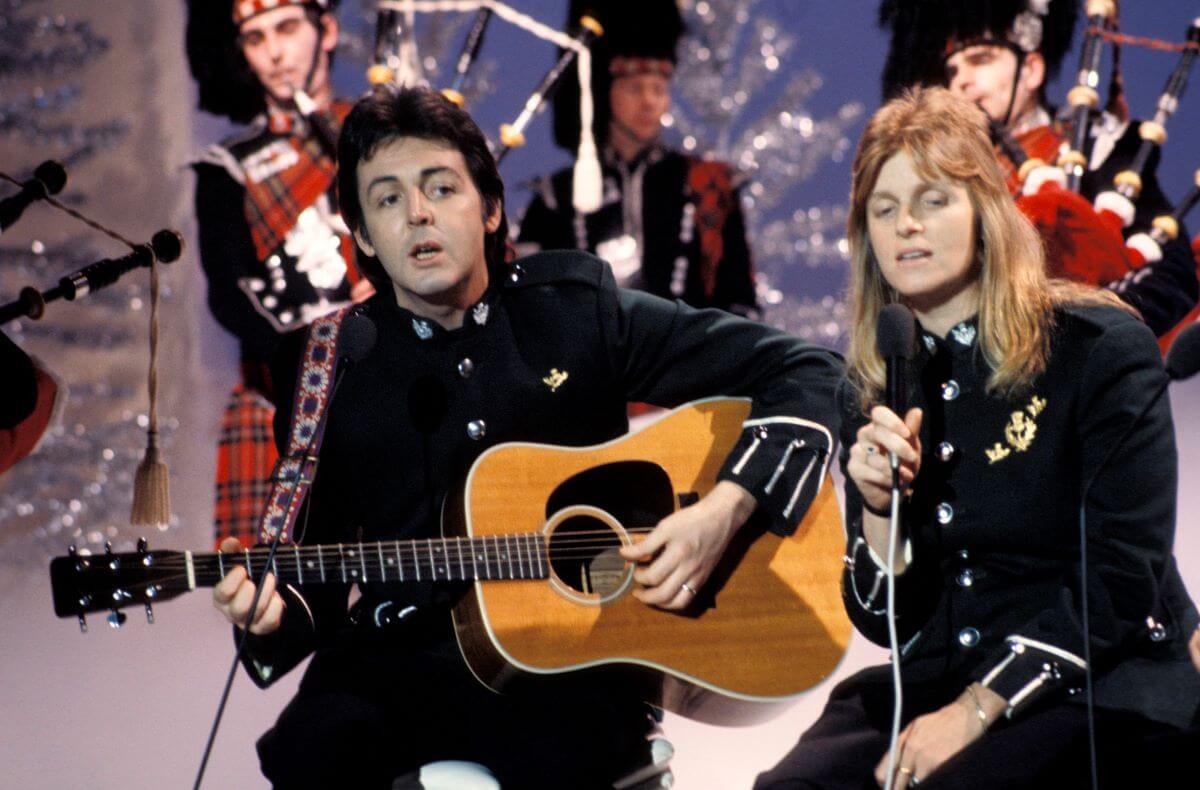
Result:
pixel 782 462
pixel 1031 670
pixel 270 656
pixel 866 580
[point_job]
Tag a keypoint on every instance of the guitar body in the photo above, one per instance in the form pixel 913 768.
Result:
pixel 768 625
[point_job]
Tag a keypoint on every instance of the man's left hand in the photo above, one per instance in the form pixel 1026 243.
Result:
pixel 678 555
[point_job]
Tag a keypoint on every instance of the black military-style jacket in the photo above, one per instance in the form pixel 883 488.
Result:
pixel 994 587
pixel 650 205
pixel 410 418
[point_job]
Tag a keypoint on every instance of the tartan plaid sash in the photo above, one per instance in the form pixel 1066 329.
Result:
pixel 283 178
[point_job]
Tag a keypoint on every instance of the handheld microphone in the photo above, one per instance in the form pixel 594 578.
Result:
pixel 895 339
pixel 48 179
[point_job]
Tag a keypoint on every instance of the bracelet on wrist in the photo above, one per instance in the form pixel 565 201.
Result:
pixel 983 718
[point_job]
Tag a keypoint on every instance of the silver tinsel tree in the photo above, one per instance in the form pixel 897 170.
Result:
pixel 77 488
pixel 740 97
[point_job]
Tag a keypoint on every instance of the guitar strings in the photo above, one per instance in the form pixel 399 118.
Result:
pixel 447 559
pixel 580 539
pixel 489 544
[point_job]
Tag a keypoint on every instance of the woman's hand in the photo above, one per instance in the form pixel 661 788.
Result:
pixel 679 554
pixel 233 594
pixel 869 466
pixel 932 739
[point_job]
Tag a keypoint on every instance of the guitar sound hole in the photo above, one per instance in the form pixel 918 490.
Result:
pixel 583 555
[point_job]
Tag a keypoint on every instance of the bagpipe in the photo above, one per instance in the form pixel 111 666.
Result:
pixel 1088 241
pixel 396 61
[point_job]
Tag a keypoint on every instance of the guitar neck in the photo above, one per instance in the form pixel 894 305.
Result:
pixel 521 556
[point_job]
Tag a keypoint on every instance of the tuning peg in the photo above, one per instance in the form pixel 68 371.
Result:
pixel 81 563
pixel 108 547
pixel 116 618
pixel 82 623
pixel 151 591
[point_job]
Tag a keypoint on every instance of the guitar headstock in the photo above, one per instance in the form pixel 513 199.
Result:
pixel 83 582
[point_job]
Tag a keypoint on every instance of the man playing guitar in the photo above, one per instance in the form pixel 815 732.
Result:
pixel 473 351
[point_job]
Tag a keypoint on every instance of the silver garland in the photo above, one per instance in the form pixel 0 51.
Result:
pixel 77 488
pixel 731 59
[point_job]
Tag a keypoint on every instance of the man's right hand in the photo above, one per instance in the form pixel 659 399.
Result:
pixel 233 595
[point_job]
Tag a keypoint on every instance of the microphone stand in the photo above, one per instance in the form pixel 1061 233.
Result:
pixel 1083 578
pixel 343 366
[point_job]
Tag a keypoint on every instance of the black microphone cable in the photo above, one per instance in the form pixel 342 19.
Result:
pixel 1183 361
pixel 357 338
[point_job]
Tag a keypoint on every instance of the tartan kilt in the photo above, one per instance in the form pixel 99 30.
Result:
pixel 246 456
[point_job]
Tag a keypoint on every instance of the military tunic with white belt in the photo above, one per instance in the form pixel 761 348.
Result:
pixel 552 353
pixel 993 589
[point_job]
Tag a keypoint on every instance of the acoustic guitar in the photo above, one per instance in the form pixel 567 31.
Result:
pixel 534 530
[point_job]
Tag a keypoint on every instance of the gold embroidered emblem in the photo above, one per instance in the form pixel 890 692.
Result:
pixel 555 379
pixel 997 452
pixel 1020 431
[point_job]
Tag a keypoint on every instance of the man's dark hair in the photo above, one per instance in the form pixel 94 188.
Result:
pixel 389 113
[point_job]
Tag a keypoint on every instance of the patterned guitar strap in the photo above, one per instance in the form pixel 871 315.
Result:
pixel 294 472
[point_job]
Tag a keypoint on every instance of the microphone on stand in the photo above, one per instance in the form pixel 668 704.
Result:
pixel 48 179
pixel 165 247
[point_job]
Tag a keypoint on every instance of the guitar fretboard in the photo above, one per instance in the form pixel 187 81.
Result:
pixel 521 556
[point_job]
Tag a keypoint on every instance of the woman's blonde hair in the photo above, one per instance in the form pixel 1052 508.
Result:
pixel 946 137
